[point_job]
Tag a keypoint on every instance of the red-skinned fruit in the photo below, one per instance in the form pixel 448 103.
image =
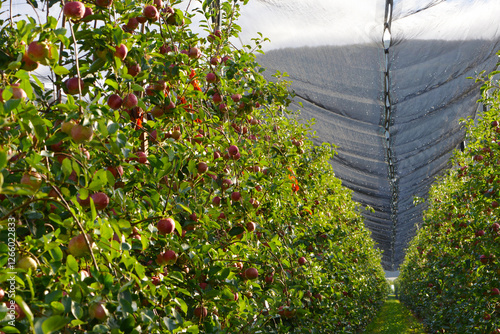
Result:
pixel 251 273
pixel 150 12
pixel 121 51
pixel 302 260
pixel 80 133
pixel 235 196
pixel 233 150
pixel 38 51
pixel 200 312
pixel 74 10
pixel 166 226
pixel 88 12
pixel 202 167
pixel 130 101
pixel 251 226
pixel 170 257
pixel 211 78
pixel 103 3
pixel 98 311
pixel 101 200
pixel 115 101
pixel 74 86
pixel 32 179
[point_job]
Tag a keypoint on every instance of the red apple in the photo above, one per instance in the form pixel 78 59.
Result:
pixel 74 85
pixel 103 3
pixel 88 12
pixel 216 201
pixel 19 312
pixel 78 247
pixel 194 53
pixel 202 167
pixel 101 200
pixel 217 98
pixel 132 23
pixel 166 226
pixel 151 13
pixel 233 149
pixel 134 69
pixel 200 312
pixel 121 51
pixel 130 101
pixel 236 196
pixel 169 257
pixel 74 10
pixel 211 77
pixel 251 226
pixel 236 97
pixel 142 157
pixel 215 61
pixel 302 260
pixel 115 101
pixel 251 273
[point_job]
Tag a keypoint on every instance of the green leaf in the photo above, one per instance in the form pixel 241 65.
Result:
pixel 71 264
pixel 10 329
pixel 188 210
pixel 3 159
pixel 59 70
pixel 236 230
pixel 112 84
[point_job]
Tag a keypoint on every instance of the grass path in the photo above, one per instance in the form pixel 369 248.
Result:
pixel 394 318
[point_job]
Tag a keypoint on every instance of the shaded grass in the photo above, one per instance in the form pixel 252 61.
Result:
pixel 394 318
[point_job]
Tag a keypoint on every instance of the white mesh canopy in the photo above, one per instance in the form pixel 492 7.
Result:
pixel 386 82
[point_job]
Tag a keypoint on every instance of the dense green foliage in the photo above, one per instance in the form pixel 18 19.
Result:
pixel 451 274
pixel 264 237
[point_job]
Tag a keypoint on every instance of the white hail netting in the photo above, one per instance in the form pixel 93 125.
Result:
pixel 392 110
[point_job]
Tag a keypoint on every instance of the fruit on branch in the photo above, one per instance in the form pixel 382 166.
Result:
pixel 202 167
pixel 235 196
pixel 169 257
pixel 142 157
pixel 88 12
pixel 78 247
pixel 166 226
pixel 216 201
pixel 130 101
pixel 66 127
pixel 116 171
pixel 27 262
pixel 236 97
pixel 104 3
pixel 121 51
pixel 251 273
pixel 194 53
pixel 132 24
pixel 74 10
pixel 38 51
pixel 211 77
pixel 134 69
pixel 151 13
pixel 98 311
pixel 80 133
pixel 233 150
pixel 115 101
pixel 302 260
pixel 74 85
pixel 101 200
pixel 28 64
pixel 200 312
pixel 32 179
pixel 251 226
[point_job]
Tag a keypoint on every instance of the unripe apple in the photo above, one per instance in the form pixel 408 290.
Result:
pixel 151 13
pixel 78 247
pixel 115 101
pixel 67 126
pixel 166 226
pixel 121 51
pixel 26 263
pixel 28 64
pixel 32 179
pixel 80 133
pixel 98 311
pixel 101 200
pixel 74 10
pixel 130 101
pixel 38 51
pixel 74 85
pixel 251 273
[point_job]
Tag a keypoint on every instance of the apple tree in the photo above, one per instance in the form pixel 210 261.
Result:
pixel 157 183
